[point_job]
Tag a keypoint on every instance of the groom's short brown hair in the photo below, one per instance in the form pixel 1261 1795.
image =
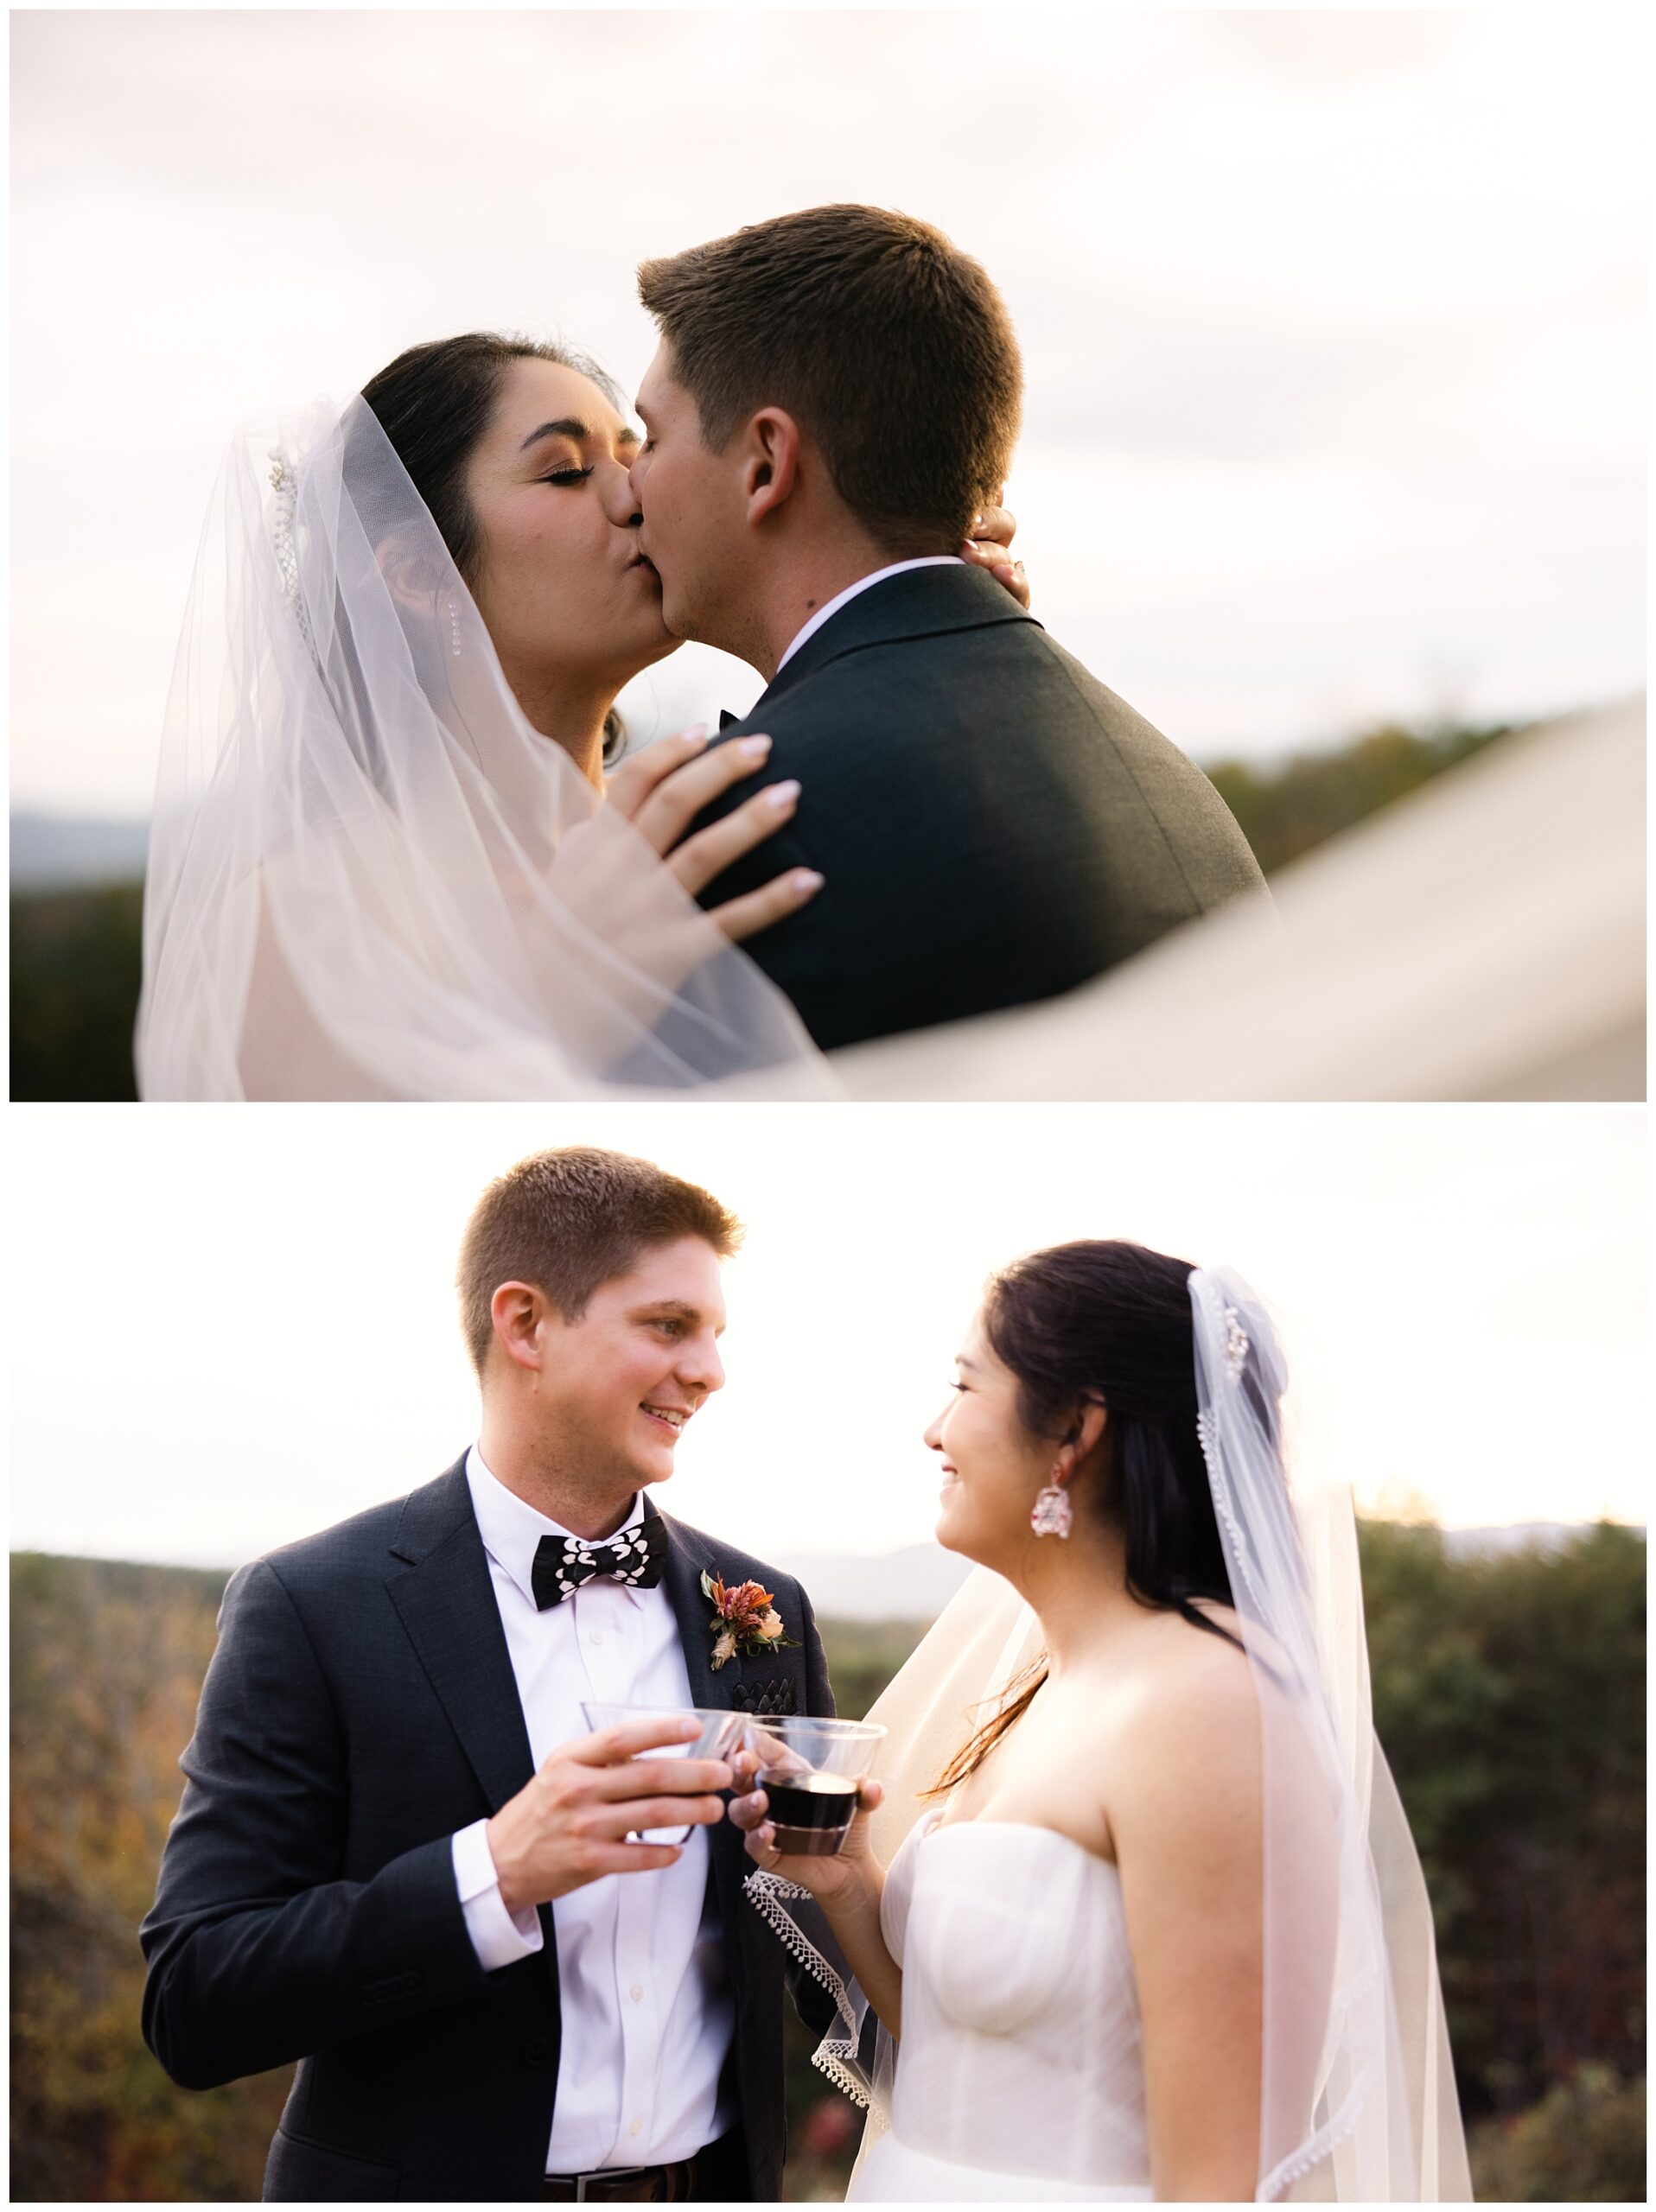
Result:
pixel 889 345
pixel 567 1221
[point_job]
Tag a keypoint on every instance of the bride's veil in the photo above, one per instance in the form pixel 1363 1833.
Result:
pixel 1358 2096
pixel 369 877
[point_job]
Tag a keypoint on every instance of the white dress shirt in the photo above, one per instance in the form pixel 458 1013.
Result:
pixel 647 2014
pixel 827 613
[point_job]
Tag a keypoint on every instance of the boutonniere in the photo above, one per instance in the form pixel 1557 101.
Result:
pixel 745 1619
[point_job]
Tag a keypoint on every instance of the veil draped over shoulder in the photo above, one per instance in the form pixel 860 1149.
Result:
pixel 1358 2096
pixel 369 877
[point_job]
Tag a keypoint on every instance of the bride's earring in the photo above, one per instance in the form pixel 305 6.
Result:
pixel 454 625
pixel 1051 1514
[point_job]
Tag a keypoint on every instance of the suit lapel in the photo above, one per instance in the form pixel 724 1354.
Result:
pixel 682 1580
pixel 446 1601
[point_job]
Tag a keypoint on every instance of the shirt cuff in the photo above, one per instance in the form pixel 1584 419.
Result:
pixel 497 1937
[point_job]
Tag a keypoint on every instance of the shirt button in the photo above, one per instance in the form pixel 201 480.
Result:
pixel 635 2128
pixel 636 1992
pixel 595 1636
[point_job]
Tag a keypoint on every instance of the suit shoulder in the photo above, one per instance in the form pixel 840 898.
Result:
pixel 362 1542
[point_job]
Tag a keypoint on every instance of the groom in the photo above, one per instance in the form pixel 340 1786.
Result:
pixel 836 394
pixel 401 1857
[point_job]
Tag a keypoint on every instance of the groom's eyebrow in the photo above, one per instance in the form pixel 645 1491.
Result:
pixel 568 427
pixel 673 1306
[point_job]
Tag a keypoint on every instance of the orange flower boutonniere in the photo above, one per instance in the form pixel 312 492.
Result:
pixel 744 1619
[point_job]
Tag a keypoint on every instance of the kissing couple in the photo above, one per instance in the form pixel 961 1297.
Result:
pixel 397 851
pixel 1131 1910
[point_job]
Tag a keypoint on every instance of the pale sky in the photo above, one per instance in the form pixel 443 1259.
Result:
pixel 1333 322
pixel 233 1328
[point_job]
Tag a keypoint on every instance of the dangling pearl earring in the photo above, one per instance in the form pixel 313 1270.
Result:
pixel 454 625
pixel 1052 1515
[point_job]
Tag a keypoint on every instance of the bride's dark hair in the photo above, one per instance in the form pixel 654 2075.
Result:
pixel 1111 1322
pixel 434 402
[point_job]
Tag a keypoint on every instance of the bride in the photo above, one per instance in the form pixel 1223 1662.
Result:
pixel 385 860
pixel 1155 1927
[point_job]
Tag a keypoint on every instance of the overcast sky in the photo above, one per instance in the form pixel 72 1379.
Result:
pixel 1332 322
pixel 234 1327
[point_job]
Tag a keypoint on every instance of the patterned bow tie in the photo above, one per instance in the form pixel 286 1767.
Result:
pixel 566 1564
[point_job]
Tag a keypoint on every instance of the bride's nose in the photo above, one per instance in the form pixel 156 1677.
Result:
pixel 934 1438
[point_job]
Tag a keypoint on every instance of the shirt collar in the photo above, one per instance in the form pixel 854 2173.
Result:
pixel 512 1529
pixel 827 613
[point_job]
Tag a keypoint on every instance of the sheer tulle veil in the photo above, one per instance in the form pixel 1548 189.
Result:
pixel 369 877
pixel 1358 2098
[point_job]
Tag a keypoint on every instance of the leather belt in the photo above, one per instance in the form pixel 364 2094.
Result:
pixel 669 2184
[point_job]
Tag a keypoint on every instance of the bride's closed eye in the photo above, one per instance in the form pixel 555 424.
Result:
pixel 567 476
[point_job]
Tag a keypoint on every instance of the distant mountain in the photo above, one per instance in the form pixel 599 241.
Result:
pixel 62 852
pixel 916 1584
pixel 913 1585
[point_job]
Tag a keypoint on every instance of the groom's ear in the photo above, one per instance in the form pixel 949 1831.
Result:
pixel 770 462
pixel 518 1311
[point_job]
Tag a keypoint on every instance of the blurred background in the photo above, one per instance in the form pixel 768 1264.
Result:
pixel 1333 460
pixel 230 1330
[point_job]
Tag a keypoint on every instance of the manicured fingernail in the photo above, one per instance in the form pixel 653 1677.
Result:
pixel 782 794
pixel 755 748
pixel 977 525
pixel 695 734
pixel 806 878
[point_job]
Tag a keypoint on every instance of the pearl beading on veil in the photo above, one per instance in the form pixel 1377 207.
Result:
pixel 285 484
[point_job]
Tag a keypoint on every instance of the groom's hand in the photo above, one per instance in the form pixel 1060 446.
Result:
pixel 569 1825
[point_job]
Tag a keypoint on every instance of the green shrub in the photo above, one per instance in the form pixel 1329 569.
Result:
pixel 1583 2144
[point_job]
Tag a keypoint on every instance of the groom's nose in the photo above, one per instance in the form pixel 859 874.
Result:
pixel 700 1367
pixel 620 504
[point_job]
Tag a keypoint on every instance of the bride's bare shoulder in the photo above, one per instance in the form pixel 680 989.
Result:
pixel 1193 1720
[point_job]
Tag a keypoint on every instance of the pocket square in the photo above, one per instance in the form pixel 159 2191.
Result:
pixel 763 1698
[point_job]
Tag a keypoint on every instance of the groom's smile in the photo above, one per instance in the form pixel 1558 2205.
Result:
pixel 620 1383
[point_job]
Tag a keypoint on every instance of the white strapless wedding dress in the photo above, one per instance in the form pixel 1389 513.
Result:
pixel 1020 2076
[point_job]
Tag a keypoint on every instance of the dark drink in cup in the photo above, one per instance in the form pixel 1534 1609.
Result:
pixel 810 1813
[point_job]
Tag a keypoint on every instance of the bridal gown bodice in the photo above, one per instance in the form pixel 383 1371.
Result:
pixel 1020 2074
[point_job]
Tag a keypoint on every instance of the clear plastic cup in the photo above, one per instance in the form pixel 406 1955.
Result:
pixel 809 1768
pixel 811 1771
pixel 720 1737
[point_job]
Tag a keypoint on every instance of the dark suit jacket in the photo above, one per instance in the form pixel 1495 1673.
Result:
pixel 359 1708
pixel 993 825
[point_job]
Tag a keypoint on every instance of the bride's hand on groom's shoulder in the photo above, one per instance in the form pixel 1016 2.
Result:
pixel 664 788
pixel 853 1868
pixel 988 547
